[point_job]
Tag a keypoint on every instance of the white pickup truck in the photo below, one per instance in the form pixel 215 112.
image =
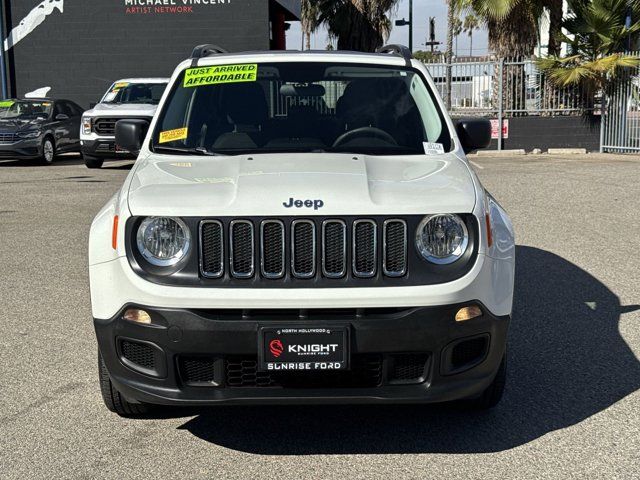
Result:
pixel 301 228
pixel 130 98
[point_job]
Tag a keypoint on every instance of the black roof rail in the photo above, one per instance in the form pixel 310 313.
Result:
pixel 399 50
pixel 206 50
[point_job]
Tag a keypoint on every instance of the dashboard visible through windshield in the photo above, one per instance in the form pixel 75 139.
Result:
pixel 300 107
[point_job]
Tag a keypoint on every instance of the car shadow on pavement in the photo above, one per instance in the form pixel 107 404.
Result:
pixel 567 362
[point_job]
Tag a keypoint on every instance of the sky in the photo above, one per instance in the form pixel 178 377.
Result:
pixel 422 10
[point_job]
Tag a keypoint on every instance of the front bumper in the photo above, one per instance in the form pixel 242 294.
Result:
pixel 104 148
pixel 223 341
pixel 30 148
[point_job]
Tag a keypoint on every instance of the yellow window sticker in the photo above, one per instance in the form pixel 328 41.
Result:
pixel 119 85
pixel 216 74
pixel 173 135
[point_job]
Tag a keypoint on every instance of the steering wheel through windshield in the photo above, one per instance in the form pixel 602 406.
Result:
pixel 369 132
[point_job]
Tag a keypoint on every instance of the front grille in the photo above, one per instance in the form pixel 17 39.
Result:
pixel 331 248
pixel 365 372
pixel 7 137
pixel 105 126
pixel 140 354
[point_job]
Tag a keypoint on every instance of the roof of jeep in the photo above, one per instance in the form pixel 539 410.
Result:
pixel 297 55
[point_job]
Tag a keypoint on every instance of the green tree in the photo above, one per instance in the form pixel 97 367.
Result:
pixel 470 24
pixel 457 30
pixel 361 25
pixel 597 36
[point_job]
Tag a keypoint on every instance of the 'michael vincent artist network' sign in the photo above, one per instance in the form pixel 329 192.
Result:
pixel 146 7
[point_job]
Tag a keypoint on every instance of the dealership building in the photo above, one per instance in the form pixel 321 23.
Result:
pixel 77 48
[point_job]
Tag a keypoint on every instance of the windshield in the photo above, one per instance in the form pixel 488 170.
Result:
pixel 14 109
pixel 300 107
pixel 125 92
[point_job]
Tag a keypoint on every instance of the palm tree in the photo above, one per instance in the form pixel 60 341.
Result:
pixel 309 20
pixel 457 30
pixel 361 25
pixel 470 24
pixel 597 36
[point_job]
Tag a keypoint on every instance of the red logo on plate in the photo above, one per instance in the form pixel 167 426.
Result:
pixel 276 348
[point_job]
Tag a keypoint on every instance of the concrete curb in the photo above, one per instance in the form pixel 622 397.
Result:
pixel 496 153
pixel 567 151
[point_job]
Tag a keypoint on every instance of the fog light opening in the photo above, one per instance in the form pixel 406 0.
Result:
pixel 468 313
pixel 136 315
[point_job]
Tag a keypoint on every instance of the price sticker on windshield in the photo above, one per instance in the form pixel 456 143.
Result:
pixel 217 74
pixel 433 148
pixel 173 135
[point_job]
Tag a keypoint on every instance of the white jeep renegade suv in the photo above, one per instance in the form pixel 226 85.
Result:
pixel 127 98
pixel 301 227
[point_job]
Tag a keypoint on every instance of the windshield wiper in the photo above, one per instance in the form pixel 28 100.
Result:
pixel 189 151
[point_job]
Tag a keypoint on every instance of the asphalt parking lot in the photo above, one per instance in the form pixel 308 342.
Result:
pixel 571 409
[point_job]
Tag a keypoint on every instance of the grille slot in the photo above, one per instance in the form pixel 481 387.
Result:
pixel 408 367
pixel 195 371
pixel 139 354
pixel 303 249
pixel 394 254
pixel 242 249
pixel 365 246
pixel 272 248
pixel 212 248
pixel 334 248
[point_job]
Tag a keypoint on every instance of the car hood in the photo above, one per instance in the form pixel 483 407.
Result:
pixel 335 184
pixel 122 109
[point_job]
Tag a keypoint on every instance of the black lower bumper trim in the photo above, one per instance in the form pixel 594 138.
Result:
pixel 397 356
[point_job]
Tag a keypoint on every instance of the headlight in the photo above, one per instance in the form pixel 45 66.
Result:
pixel 163 241
pixel 30 134
pixel 442 239
pixel 86 125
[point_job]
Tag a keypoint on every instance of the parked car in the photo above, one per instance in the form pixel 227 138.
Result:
pixel 38 128
pixel 268 247
pixel 128 98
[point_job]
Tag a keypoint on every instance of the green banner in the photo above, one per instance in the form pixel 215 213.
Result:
pixel 217 74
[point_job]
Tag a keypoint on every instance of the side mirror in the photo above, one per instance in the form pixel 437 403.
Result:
pixel 61 117
pixel 474 133
pixel 130 134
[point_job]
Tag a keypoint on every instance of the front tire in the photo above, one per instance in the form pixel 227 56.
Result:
pixel 93 162
pixel 113 399
pixel 48 151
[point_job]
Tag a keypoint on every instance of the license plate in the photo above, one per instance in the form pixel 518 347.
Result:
pixel 307 348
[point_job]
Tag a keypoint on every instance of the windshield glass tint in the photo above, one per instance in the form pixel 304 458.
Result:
pixel 25 109
pixel 124 92
pixel 299 107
